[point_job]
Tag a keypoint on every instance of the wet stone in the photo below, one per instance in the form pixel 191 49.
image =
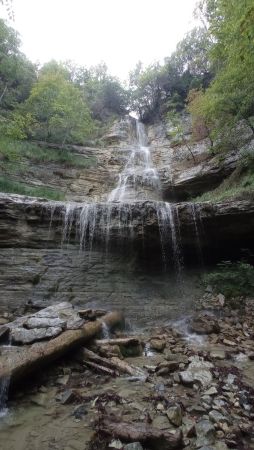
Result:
pixel 174 415
pixel 3 321
pixel 218 354
pixel 205 433
pixel 204 325
pixel 40 399
pixel 161 422
pixel 116 443
pixel 79 412
pixel 133 446
pixel 217 417
pixel 24 336
pixel 4 332
pixel 157 344
pixel 197 371
pixel 189 427
pixel 41 322
pixel 211 391
pixel 67 397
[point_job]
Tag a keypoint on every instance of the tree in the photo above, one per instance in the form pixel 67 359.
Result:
pixel 9 8
pixel 203 124
pixel 229 99
pixel 160 88
pixel 105 95
pixel 60 111
pixel 178 131
pixel 192 53
pixel 17 74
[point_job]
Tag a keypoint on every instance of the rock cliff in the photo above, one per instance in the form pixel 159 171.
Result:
pixel 181 177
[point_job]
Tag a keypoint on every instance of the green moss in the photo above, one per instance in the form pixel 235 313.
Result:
pixel 16 187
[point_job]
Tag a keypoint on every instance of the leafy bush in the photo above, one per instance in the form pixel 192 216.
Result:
pixel 232 279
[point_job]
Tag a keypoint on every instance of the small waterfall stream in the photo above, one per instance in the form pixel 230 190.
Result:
pixel 138 182
pixel 4 390
pixel 139 179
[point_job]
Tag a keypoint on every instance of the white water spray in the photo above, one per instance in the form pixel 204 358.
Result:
pixel 138 180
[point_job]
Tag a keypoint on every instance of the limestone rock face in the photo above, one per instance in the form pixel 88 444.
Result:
pixel 181 177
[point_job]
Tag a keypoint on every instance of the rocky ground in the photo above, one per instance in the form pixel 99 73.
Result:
pixel 193 388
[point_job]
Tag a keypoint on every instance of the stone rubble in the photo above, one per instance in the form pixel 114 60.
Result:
pixel 204 390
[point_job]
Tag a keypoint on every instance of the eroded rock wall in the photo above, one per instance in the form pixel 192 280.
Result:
pixel 181 177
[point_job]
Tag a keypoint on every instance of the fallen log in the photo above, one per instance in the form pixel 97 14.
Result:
pixel 17 362
pixel 151 437
pixel 119 341
pixel 101 369
pixel 129 346
pixel 115 364
pixel 124 367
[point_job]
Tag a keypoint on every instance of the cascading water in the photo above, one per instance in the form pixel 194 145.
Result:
pixel 197 225
pixel 139 180
pixel 4 388
pixel 170 231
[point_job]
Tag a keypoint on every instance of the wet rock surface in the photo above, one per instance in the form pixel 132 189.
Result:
pixel 27 222
pixel 215 411
pixel 180 175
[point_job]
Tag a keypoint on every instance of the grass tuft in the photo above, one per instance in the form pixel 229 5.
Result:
pixel 16 187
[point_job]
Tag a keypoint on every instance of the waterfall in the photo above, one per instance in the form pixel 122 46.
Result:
pixel 197 225
pixel 138 179
pixel 4 389
pixel 105 332
pixel 170 235
pixel 137 182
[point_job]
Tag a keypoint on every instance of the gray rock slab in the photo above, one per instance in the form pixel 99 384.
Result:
pixel 44 322
pixel 24 336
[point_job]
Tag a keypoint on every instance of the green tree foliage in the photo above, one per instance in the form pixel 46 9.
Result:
pixel 17 74
pixel 105 95
pixel 178 132
pixel 59 109
pixel 229 99
pixel 160 88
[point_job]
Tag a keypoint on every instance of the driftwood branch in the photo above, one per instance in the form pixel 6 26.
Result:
pixel 115 364
pixel 151 437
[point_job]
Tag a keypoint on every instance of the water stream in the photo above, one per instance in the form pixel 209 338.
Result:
pixel 137 182
pixel 138 179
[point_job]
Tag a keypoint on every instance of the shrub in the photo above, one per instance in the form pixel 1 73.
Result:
pixel 232 279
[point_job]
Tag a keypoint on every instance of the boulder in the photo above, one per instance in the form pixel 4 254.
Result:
pixel 197 371
pixel 204 324
pixel 157 344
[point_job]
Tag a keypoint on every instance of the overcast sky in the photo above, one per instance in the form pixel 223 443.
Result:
pixel 119 32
